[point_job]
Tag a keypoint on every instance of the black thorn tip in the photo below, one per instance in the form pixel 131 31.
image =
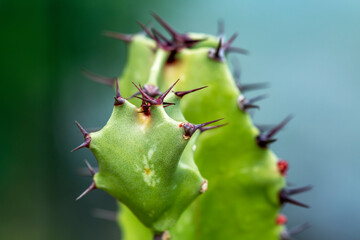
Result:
pixel 228 48
pixel 159 43
pixel 279 126
pixel 144 99
pixel 168 104
pixel 295 191
pixel 158 35
pixel 207 123
pixel 203 129
pixel 263 143
pixel 118 95
pixel 245 104
pixel 97 78
pixel 86 143
pixel 148 25
pixel 285 196
pixel 120 36
pixel 264 139
pixel 179 40
pixel 190 129
pixel 132 96
pixel 192 42
pixel 146 30
pixel 90 188
pixel 83 131
pixel 222 49
pixel 162 22
pixel 257 98
pixel 162 96
pixel 183 93
pixel 232 38
pixel 86 135
pixel 141 91
pixel 218 53
pixel 91 169
pixel 218 49
pixel 151 101
pixel 295 202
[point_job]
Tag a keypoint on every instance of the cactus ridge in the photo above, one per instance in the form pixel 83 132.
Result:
pixel 157 171
pixel 152 158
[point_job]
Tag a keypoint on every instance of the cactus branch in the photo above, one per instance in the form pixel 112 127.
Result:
pixel 150 158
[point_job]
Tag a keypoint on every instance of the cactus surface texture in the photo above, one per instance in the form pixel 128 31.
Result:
pixel 180 152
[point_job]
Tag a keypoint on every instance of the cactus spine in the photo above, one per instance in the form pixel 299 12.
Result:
pixel 149 157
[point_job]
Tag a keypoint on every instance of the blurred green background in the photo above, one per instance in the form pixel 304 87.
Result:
pixel 309 51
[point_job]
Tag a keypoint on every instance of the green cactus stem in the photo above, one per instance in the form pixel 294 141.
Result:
pixel 149 157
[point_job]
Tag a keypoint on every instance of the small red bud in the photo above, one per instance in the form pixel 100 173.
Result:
pixel 283 166
pixel 281 219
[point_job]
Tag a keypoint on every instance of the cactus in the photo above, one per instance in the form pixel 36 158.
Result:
pixel 152 157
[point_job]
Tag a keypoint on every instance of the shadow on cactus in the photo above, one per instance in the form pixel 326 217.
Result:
pixel 155 148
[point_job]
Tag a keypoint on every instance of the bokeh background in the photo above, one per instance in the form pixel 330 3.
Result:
pixel 309 52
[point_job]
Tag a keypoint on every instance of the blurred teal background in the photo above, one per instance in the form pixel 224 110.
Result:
pixel 309 51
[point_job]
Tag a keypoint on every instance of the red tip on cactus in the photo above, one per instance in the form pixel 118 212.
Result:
pixel 281 219
pixel 283 167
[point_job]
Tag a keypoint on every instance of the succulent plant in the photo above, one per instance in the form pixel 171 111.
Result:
pixel 156 155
